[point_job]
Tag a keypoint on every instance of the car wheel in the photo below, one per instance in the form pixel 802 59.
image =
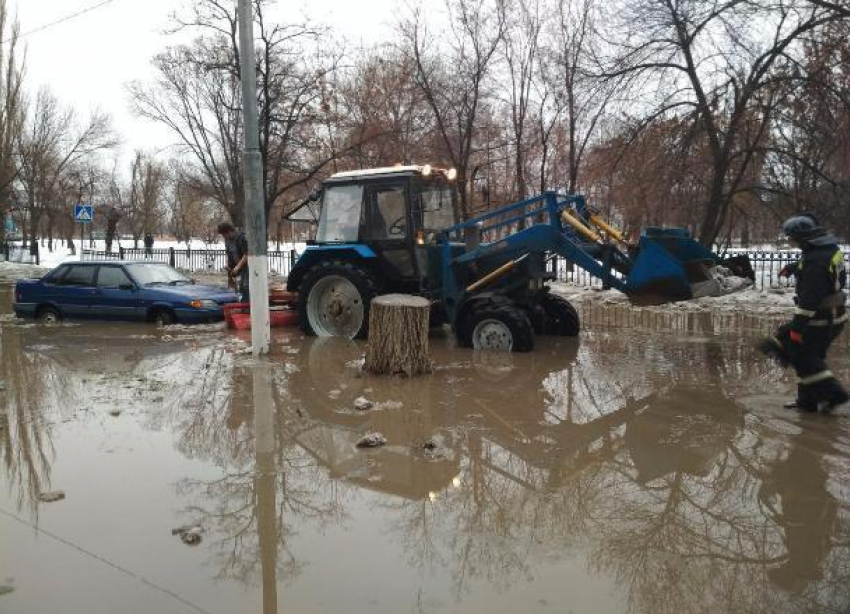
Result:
pixel 49 315
pixel 163 317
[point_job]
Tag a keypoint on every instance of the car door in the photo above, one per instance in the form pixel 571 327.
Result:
pixel 387 228
pixel 51 285
pixel 76 291
pixel 117 297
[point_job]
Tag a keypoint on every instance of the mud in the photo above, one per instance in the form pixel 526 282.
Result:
pixel 646 467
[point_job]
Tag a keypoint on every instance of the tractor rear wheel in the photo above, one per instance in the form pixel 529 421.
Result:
pixel 497 325
pixel 334 300
pixel 558 317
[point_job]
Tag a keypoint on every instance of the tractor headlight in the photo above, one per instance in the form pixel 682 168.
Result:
pixel 426 170
pixel 204 304
pixel 451 175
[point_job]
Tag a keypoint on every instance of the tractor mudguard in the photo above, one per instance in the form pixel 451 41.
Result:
pixel 317 253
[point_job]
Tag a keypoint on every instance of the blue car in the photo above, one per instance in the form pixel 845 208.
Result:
pixel 143 291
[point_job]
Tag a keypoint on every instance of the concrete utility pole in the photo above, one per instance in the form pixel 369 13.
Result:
pixel 255 211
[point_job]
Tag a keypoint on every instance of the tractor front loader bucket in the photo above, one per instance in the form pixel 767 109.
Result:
pixel 668 266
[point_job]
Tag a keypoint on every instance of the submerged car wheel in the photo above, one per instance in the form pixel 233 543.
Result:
pixel 335 298
pixel 49 315
pixel 163 317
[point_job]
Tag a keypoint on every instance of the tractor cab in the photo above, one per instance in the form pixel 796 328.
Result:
pixel 378 230
pixel 397 212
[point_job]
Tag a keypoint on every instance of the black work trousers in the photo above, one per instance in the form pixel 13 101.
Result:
pixel 817 383
pixel 243 281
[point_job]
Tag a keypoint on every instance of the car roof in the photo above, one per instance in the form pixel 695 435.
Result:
pixel 113 262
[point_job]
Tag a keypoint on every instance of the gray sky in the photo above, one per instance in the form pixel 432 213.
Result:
pixel 88 60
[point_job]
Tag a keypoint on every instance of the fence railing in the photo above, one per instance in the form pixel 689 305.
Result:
pixel 766 264
pixel 280 262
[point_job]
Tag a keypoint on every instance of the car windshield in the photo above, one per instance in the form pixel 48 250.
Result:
pixel 156 274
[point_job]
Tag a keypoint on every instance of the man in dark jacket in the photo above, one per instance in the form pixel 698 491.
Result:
pixel 236 245
pixel 819 318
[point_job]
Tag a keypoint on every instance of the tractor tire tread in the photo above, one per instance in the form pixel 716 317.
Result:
pixel 499 308
pixel 365 281
pixel 560 317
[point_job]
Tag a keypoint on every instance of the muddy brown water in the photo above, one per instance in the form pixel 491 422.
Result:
pixel 645 467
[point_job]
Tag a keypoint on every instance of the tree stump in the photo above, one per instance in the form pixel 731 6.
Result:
pixel 398 335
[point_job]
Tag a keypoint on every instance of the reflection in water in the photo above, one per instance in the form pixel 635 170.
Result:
pixel 26 450
pixel 630 451
pixel 264 481
pixel 796 493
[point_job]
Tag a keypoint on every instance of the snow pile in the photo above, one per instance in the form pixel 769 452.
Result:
pixel 12 271
pixel 773 301
pixel 721 281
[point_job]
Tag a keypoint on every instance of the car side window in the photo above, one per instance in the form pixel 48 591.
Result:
pixel 56 276
pixel 112 277
pixel 78 275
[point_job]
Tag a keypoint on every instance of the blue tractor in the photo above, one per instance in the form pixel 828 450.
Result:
pixel 397 229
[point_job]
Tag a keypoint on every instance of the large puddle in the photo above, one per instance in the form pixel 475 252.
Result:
pixel 647 467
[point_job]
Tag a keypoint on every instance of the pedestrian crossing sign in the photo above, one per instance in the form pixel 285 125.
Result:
pixel 83 213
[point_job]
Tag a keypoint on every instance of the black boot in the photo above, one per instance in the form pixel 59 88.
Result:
pixel 826 395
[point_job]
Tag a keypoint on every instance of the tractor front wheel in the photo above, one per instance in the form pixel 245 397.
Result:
pixel 334 300
pixel 497 325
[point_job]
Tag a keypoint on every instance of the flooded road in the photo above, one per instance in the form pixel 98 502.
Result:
pixel 646 467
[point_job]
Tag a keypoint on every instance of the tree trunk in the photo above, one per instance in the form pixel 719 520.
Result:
pixel 398 335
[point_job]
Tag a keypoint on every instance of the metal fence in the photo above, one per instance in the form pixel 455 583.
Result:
pixel 766 265
pixel 194 260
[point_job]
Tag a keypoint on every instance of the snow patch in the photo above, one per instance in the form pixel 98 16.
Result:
pixel 740 297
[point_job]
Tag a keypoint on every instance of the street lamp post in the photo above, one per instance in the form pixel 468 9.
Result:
pixel 255 213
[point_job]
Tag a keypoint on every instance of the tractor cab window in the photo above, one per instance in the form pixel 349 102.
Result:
pixel 340 217
pixel 438 209
pixel 387 212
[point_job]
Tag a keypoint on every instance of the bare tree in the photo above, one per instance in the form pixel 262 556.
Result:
pixel 521 53
pixel 807 157
pixel 452 75
pixel 50 145
pixel 190 213
pixel 11 112
pixel 721 63
pixel 383 112
pixel 140 198
pixel 583 97
pixel 197 95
